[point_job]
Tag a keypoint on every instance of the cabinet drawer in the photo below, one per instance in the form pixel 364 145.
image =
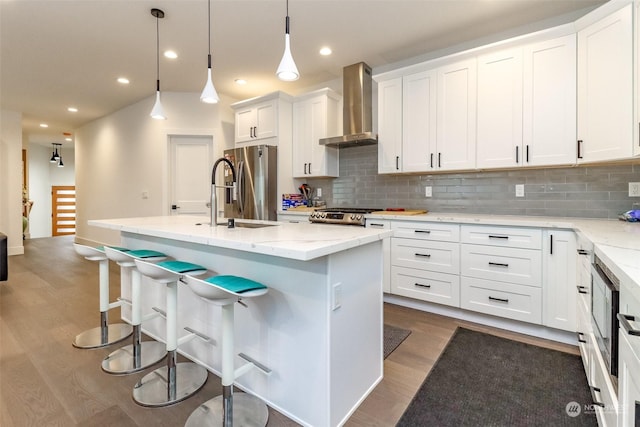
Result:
pixel 384 224
pixel 443 257
pixel 426 285
pixel 520 266
pixel 584 333
pixel 603 391
pixel 512 237
pixel 426 230
pixel 516 302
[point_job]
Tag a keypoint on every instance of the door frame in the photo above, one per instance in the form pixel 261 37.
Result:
pixel 168 134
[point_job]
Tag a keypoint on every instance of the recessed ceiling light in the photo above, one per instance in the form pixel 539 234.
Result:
pixel 123 80
pixel 325 51
pixel 72 109
pixel 44 125
pixel 241 81
pixel 170 54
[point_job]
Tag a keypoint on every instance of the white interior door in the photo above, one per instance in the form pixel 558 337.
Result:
pixel 190 173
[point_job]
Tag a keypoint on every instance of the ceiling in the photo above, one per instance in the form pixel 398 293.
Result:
pixel 61 53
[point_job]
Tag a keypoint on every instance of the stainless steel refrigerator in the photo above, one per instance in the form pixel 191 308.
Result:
pixel 256 188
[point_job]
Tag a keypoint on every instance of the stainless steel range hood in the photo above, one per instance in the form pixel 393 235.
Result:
pixel 356 110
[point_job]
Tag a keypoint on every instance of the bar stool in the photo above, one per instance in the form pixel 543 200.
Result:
pixel 105 334
pixel 241 409
pixel 175 381
pixel 139 354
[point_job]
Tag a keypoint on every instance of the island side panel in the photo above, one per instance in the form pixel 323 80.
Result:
pixel 356 327
pixel 287 330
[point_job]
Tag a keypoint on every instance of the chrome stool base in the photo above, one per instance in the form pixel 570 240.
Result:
pixel 248 411
pixel 154 389
pixel 102 336
pixel 123 361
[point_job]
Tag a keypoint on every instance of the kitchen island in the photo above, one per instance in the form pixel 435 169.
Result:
pixel 319 329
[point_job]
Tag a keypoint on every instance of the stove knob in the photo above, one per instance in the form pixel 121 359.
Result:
pixel 352 217
pixel 359 217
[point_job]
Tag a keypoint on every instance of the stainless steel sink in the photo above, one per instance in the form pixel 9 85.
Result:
pixel 252 225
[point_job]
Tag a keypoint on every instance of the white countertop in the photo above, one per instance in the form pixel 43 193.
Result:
pixel 616 242
pixel 302 241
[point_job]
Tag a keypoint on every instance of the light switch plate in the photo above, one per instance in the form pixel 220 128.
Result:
pixel 428 191
pixel 519 190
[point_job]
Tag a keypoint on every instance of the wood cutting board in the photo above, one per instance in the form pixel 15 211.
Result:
pixel 405 212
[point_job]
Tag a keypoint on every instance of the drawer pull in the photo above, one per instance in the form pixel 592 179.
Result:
pixel 582 290
pixel 423 255
pixel 422 231
pixel 491 236
pixel 498 264
pixel 624 322
pixel 580 339
pixel 373 224
pixel 499 299
pixel 582 252
pixel 422 286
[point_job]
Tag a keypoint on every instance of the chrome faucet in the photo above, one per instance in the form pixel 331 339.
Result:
pixel 214 202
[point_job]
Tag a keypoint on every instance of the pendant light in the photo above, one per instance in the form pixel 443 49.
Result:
pixel 60 164
pixel 54 153
pixel 209 94
pixel 287 69
pixel 158 112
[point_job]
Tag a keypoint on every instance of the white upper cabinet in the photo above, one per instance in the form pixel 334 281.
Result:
pixel 456 116
pixel 527 105
pixel 418 121
pixel 390 125
pixel 500 109
pixel 315 116
pixel 257 120
pixel 549 108
pixel 605 88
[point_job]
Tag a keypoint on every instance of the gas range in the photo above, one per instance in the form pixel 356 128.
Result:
pixel 343 216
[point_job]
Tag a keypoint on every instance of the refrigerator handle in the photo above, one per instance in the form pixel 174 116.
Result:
pixel 240 186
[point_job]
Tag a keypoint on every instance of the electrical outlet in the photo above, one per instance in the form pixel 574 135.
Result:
pixel 634 189
pixel 145 194
pixel 428 191
pixel 519 190
pixel 319 192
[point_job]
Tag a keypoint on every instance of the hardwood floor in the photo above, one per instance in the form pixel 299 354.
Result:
pixel 52 295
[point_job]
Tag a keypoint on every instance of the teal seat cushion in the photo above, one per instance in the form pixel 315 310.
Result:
pixel 145 253
pixel 235 284
pixel 181 266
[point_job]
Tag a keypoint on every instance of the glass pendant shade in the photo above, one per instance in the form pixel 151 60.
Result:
pixel 209 94
pixel 158 112
pixel 287 69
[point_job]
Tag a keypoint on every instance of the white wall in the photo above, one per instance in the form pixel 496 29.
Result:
pixel 11 180
pixel 122 154
pixel 42 176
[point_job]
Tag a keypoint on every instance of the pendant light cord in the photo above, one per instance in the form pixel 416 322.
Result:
pixel 209 21
pixel 286 30
pixel 157 53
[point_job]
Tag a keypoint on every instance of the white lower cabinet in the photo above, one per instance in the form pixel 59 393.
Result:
pixel 516 302
pixel 629 356
pixel 512 265
pixel 425 261
pixel 603 392
pixel 429 286
pixel 559 280
pixel 386 250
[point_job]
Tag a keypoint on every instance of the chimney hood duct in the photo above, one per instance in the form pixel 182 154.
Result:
pixel 356 110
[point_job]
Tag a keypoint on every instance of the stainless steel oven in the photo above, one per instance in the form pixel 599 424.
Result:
pixel 605 304
pixel 344 216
